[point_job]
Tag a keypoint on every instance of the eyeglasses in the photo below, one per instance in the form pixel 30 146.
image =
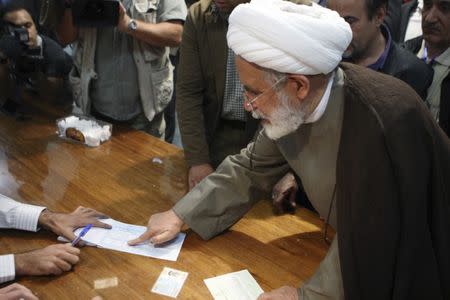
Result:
pixel 249 102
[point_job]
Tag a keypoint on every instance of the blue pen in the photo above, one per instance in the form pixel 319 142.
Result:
pixel 82 233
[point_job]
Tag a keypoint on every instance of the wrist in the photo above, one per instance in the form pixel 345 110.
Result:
pixel 178 221
pixel 131 25
pixel 19 264
pixel 46 220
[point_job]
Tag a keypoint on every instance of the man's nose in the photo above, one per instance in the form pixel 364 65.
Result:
pixel 431 15
pixel 247 105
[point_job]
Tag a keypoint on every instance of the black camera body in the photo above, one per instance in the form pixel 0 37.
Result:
pixel 14 44
pixel 21 34
pixel 95 13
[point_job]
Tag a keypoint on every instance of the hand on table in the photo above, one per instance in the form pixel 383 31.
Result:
pixel 282 293
pixel 197 173
pixel 284 194
pixel 161 228
pixel 65 224
pixel 16 291
pixel 51 260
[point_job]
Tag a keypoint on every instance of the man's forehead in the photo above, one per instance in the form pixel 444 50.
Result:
pixel 249 68
pixel 18 15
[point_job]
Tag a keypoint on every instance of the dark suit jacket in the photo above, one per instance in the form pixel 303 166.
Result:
pixel 444 112
pixel 201 81
pixel 414 46
pixel 407 9
pixel 393 18
pixel 404 65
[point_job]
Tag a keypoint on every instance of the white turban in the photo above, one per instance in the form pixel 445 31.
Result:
pixel 287 37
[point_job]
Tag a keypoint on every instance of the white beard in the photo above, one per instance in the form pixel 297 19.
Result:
pixel 284 120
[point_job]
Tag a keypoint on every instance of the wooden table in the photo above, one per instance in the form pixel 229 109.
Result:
pixel 120 179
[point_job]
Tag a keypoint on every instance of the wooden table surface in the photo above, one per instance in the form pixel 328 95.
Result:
pixel 120 179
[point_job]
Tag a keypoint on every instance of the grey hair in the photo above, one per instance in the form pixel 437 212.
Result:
pixel 272 76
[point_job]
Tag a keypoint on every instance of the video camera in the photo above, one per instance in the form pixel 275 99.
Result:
pixel 95 13
pixel 14 45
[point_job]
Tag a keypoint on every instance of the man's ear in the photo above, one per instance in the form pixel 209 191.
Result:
pixel 380 14
pixel 301 85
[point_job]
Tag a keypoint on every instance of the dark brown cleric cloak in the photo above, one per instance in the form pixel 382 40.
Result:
pixel 393 192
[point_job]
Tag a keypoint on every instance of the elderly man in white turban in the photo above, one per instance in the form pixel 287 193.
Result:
pixel 373 163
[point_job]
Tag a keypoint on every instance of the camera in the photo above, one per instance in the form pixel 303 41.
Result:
pixel 14 44
pixel 95 13
pixel 21 34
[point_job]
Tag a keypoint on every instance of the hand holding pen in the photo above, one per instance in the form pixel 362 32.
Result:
pixel 82 233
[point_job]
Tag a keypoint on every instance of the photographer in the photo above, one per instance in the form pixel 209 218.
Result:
pixel 123 73
pixel 28 59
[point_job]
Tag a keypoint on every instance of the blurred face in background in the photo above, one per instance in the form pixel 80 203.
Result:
pixel 364 30
pixel 22 18
pixel 436 23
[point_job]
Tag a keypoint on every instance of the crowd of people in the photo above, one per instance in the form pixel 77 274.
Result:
pixel 342 106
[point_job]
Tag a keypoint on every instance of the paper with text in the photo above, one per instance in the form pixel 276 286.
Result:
pixel 169 282
pixel 117 237
pixel 238 285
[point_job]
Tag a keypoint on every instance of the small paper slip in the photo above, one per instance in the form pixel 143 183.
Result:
pixel 117 237
pixel 169 282
pixel 238 285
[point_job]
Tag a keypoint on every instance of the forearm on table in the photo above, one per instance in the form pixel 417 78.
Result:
pixel 225 196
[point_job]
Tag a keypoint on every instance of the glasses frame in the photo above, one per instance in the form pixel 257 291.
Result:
pixel 249 103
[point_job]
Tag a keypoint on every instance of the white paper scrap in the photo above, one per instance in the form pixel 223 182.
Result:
pixel 238 285
pixel 117 237
pixel 157 160
pixel 169 282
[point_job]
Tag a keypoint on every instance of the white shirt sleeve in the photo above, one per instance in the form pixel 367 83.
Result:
pixel 7 268
pixel 18 215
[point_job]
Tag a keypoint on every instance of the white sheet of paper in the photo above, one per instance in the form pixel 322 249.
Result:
pixel 238 285
pixel 169 282
pixel 117 237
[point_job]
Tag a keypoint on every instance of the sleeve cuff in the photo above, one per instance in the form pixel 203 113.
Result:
pixel 28 217
pixel 7 268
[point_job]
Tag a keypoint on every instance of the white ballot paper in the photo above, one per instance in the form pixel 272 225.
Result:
pixel 169 282
pixel 117 237
pixel 238 285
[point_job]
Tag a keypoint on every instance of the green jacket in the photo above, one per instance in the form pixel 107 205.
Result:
pixel 201 81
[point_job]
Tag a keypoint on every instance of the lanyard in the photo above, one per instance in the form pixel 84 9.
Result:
pixel 425 56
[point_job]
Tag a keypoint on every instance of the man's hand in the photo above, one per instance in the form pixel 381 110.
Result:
pixel 16 291
pixel 124 19
pixel 284 194
pixel 283 293
pixel 197 173
pixel 51 260
pixel 161 228
pixel 65 224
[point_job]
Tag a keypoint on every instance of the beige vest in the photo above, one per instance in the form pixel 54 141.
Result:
pixel 155 72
